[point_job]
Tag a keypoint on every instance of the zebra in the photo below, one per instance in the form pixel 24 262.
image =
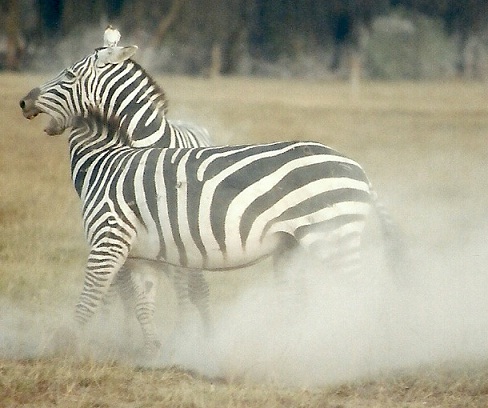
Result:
pixel 115 96
pixel 248 202
pixel 138 289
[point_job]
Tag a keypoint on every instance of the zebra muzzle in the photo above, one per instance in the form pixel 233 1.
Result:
pixel 28 104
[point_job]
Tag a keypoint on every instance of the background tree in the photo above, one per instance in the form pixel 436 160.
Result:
pixel 222 36
pixel 11 16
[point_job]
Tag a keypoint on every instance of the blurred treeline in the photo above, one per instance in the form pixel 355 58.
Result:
pixel 392 39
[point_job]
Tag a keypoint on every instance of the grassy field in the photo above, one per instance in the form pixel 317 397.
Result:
pixel 424 146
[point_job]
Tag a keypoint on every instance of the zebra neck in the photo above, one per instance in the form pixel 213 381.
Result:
pixel 89 149
pixel 145 127
pixel 135 99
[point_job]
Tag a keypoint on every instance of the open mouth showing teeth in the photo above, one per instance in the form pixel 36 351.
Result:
pixel 29 110
pixel 31 114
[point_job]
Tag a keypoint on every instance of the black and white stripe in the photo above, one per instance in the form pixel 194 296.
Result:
pixel 124 89
pixel 209 208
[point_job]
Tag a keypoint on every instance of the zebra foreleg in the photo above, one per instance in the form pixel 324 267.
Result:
pixel 181 284
pixel 105 259
pixel 138 288
pixel 110 297
pixel 199 293
pixel 190 287
pixel 144 287
pixel 123 286
pixel 129 286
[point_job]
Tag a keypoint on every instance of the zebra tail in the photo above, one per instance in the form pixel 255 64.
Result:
pixel 395 247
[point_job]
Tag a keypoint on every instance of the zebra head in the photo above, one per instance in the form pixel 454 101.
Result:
pixel 79 88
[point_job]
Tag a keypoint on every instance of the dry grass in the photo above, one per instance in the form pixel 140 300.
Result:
pixel 73 383
pixel 423 145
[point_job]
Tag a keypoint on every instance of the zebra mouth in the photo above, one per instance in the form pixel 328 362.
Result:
pixel 52 128
pixel 31 113
pixel 28 104
pixel 30 110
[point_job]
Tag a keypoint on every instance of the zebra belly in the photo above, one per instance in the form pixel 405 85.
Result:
pixel 186 253
pixel 146 246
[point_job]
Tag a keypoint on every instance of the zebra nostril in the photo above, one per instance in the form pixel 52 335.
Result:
pixel 30 99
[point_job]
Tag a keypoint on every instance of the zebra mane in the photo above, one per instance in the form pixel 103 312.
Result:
pixel 160 101
pixel 98 122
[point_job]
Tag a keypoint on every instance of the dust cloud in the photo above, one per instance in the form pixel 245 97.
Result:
pixel 355 326
pixel 341 328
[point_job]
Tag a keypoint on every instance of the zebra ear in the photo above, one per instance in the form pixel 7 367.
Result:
pixel 115 55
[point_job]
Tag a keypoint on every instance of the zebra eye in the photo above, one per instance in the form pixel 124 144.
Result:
pixel 70 75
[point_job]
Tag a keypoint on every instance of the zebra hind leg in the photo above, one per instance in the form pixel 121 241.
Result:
pixel 285 275
pixel 338 249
